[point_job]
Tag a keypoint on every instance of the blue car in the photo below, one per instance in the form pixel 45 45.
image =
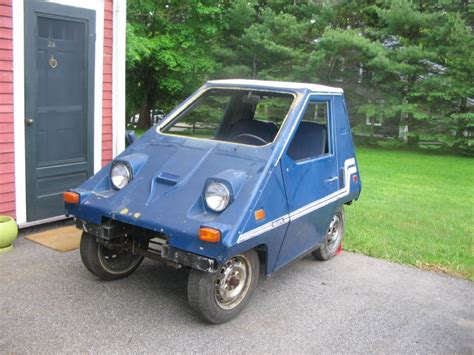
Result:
pixel 240 179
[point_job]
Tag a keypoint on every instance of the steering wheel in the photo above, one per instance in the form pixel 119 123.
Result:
pixel 251 136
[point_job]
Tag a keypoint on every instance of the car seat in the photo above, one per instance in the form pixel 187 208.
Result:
pixel 310 140
pixel 253 127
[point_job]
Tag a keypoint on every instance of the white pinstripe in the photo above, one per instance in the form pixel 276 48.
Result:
pixel 349 168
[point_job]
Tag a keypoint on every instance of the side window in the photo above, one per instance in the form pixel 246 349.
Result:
pixel 311 139
pixel 317 111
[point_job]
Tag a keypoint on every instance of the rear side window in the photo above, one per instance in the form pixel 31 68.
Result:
pixel 311 139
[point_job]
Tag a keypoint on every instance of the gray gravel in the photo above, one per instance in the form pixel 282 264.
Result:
pixel 50 303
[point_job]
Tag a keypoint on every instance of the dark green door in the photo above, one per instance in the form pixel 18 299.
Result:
pixel 59 104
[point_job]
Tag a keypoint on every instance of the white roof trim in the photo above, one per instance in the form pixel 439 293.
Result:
pixel 279 84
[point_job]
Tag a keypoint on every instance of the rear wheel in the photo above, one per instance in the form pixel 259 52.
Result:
pixel 105 262
pixel 333 240
pixel 221 296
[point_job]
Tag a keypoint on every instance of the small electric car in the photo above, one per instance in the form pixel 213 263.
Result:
pixel 240 179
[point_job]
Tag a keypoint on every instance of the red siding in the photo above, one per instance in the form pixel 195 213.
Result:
pixel 7 167
pixel 107 136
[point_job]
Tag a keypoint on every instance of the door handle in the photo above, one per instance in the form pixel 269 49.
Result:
pixel 331 179
pixel 29 121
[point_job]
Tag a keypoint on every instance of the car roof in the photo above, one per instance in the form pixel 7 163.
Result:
pixel 268 84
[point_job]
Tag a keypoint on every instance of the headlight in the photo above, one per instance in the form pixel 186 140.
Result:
pixel 217 196
pixel 120 175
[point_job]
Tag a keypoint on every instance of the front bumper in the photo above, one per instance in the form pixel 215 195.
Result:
pixel 146 243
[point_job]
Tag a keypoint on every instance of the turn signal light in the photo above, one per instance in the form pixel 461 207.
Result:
pixel 71 197
pixel 260 214
pixel 209 235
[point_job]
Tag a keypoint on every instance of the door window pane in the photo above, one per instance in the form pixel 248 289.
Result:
pixel 311 139
pixel 317 112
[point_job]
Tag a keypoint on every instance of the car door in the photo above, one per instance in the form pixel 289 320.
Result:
pixel 310 172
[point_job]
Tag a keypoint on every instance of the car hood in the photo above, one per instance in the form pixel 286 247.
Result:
pixel 169 175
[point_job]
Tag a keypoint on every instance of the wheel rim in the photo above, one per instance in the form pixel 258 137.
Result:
pixel 117 261
pixel 334 233
pixel 233 282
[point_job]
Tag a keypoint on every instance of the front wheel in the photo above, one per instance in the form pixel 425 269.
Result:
pixel 105 262
pixel 333 240
pixel 221 296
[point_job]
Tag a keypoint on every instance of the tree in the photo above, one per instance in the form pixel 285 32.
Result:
pixel 433 51
pixel 259 43
pixel 407 61
pixel 167 51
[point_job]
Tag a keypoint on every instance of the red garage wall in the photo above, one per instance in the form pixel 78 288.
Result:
pixel 107 135
pixel 7 168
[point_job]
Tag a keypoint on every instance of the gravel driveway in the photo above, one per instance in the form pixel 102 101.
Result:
pixel 352 304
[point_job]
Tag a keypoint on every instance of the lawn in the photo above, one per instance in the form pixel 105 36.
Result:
pixel 414 209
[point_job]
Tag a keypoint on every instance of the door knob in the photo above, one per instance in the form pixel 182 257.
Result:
pixel 29 121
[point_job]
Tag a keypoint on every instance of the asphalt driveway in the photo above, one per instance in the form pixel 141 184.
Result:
pixel 50 303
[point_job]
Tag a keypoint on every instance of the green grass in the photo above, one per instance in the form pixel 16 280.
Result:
pixel 414 209
pixel 139 132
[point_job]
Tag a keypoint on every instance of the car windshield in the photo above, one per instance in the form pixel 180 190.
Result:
pixel 240 116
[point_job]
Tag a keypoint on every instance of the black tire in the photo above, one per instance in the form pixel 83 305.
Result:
pixel 107 264
pixel 330 245
pixel 205 296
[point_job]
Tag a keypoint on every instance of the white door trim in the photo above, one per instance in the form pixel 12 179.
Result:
pixel 118 76
pixel 19 109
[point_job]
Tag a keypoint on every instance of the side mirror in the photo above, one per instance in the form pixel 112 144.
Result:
pixel 130 137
